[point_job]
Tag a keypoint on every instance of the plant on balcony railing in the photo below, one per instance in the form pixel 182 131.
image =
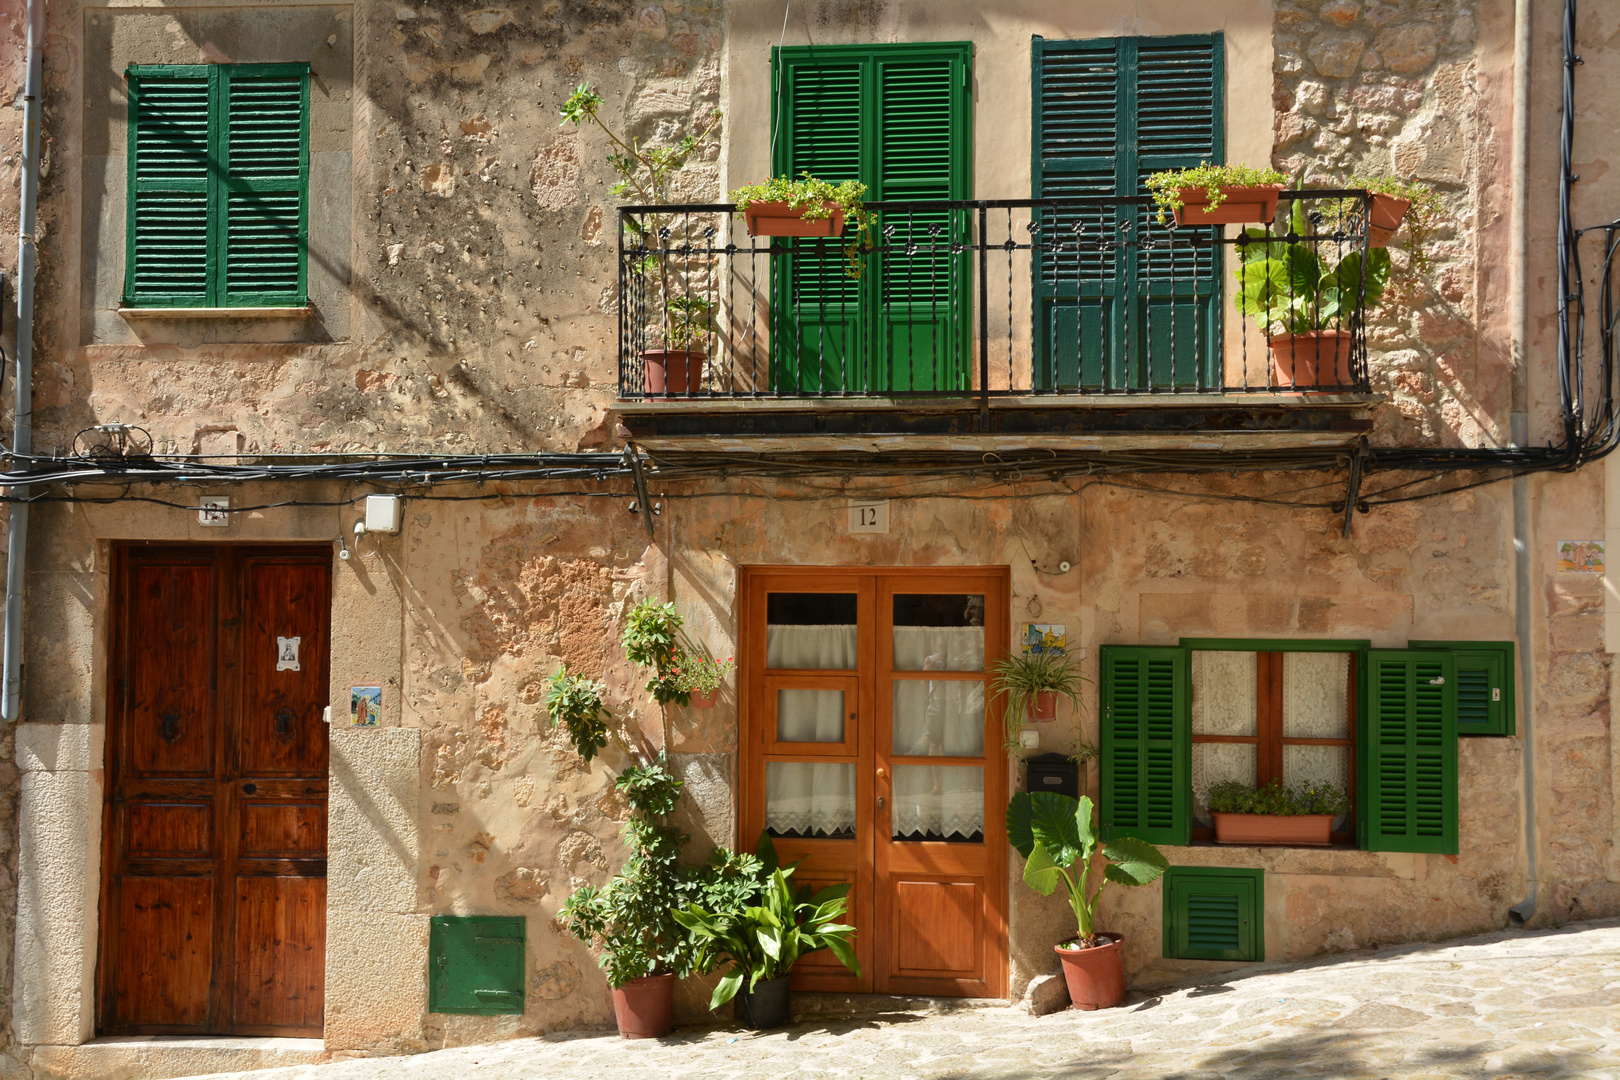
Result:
pixel 1304 305
pixel 1395 202
pixel 808 207
pixel 1253 193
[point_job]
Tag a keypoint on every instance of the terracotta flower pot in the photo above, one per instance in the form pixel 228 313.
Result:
pixel 645 1007
pixel 704 699
pixel 1242 206
pixel 1043 706
pixel 781 219
pixel 673 371
pixel 1309 829
pixel 1095 976
pixel 1384 217
pixel 1320 361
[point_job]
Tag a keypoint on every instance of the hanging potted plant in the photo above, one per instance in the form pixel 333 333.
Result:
pixel 675 364
pixel 1273 814
pixel 762 935
pixel 651 639
pixel 702 677
pixel 1216 194
pixel 1392 202
pixel 1303 305
pixel 1055 835
pixel 1031 683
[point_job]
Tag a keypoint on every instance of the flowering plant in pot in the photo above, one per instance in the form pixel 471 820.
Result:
pixel 1216 194
pixel 1303 304
pixel 1055 835
pixel 762 934
pixel 1030 683
pixel 701 677
pixel 1274 814
pixel 651 639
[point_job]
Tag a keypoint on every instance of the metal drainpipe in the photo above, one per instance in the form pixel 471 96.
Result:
pixel 1519 432
pixel 22 439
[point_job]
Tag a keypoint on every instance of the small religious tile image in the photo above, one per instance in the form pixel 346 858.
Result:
pixel 1045 637
pixel 365 706
pixel 1580 556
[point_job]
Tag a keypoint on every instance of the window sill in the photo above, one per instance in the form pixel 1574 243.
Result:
pixel 218 312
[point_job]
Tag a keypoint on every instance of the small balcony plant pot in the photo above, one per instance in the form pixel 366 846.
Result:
pixel 782 219
pixel 1318 362
pixel 673 371
pixel 1095 976
pixel 1242 206
pixel 645 1007
pixel 1384 217
pixel 1293 829
pixel 1043 706
pixel 705 699
pixel 768 1006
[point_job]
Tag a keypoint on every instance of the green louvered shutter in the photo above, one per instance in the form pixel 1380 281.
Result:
pixel 897 118
pixel 166 257
pixel 1146 744
pixel 1107 113
pixel 1485 685
pixel 264 195
pixel 1409 776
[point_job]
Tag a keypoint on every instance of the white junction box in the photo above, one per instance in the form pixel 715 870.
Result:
pixel 382 513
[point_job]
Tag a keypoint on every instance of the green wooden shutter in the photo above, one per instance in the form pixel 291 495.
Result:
pixel 1408 800
pixel 166 253
pixel 1107 112
pixel 476 963
pixel 265 144
pixel 1214 914
pixel 897 118
pixel 1485 685
pixel 1146 744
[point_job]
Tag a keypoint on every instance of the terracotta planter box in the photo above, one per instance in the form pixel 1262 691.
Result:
pixel 1043 707
pixel 1312 830
pixel 780 219
pixel 704 700
pixel 673 371
pixel 1242 206
pixel 645 1007
pixel 1320 361
pixel 1095 976
pixel 1384 217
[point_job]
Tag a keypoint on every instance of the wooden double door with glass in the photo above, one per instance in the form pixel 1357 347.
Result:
pixel 873 754
pixel 214 905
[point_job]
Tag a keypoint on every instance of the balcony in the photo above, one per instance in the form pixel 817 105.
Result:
pixel 1035 322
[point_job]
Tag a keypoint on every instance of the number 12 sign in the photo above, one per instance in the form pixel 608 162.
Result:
pixel 869 517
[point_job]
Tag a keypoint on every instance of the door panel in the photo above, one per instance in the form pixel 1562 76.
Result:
pixel 907 802
pixel 214 911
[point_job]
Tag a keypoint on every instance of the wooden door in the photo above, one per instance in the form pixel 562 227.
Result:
pixel 873 754
pixel 213 911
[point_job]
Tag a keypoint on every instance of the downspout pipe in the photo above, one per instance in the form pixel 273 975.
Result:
pixel 22 439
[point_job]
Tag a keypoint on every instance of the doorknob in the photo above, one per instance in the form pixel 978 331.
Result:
pixel 881 773
pixel 880 802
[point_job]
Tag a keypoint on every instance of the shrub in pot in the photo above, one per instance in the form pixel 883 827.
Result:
pixel 1216 194
pixel 1030 684
pixel 1274 814
pixel 1055 835
pixel 701 677
pixel 762 934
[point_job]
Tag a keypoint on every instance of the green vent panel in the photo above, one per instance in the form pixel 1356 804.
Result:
pixel 1485 685
pixel 476 964
pixel 1214 914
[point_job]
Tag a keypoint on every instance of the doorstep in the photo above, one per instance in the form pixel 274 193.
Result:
pixel 159 1057
pixel 822 1006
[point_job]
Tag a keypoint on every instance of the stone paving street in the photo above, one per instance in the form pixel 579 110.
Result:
pixel 1542 1004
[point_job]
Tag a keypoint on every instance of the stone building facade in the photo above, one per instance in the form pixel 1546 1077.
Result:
pixel 464 299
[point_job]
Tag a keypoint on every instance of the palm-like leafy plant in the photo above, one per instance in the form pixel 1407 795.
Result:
pixel 1054 833
pixel 1288 288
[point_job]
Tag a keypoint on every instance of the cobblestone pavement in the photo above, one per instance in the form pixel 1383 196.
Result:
pixel 1510 1005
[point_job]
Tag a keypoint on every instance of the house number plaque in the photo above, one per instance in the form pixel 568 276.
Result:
pixel 869 517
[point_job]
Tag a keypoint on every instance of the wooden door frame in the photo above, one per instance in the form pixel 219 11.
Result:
pixel 225 842
pixel 751 672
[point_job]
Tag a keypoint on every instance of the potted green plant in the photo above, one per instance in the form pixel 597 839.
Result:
pixel 803 207
pixel 651 639
pixel 675 364
pixel 1393 201
pixel 761 938
pixel 1055 835
pixel 1303 304
pixel 701 677
pixel 1274 814
pixel 1030 683
pixel 1216 194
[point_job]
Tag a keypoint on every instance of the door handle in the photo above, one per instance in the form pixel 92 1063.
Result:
pixel 880 802
pixel 881 773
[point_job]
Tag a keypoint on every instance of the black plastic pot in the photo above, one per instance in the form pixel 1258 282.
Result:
pixel 768 1006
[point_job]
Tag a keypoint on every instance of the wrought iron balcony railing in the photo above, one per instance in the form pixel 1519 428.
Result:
pixel 1003 298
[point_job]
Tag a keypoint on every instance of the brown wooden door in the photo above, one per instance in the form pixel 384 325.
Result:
pixel 214 907
pixel 874 756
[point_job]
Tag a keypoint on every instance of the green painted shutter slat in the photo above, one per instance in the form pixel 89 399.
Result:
pixel 1410 788
pixel 166 250
pixel 1146 745
pixel 1213 914
pixel 266 137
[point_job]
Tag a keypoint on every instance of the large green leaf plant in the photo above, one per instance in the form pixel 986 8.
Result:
pixel 1055 835
pixel 1289 288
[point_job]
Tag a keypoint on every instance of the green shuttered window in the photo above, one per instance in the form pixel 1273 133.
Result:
pixel 899 119
pixel 1145 743
pixel 1214 914
pixel 476 964
pixel 218 180
pixel 1107 113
